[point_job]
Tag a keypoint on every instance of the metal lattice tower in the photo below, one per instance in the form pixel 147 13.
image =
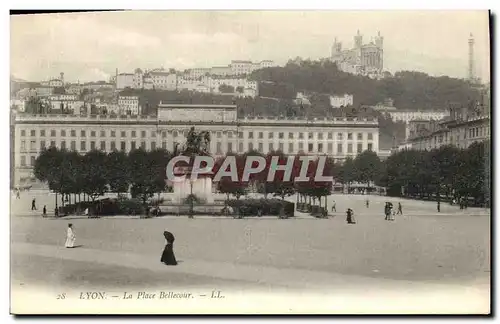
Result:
pixel 471 58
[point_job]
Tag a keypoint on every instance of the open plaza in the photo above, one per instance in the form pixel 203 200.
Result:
pixel 423 262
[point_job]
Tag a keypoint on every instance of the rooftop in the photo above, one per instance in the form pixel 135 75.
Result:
pixel 160 72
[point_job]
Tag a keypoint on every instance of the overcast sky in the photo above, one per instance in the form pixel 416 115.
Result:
pixel 90 46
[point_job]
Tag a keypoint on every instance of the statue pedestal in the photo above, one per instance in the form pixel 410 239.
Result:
pixel 201 187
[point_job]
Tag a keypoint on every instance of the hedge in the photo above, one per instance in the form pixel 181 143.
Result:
pixel 251 207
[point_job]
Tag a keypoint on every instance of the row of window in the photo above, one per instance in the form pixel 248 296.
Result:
pixel 250 134
pixel 310 135
pixel 83 133
pixel 102 145
pixel 473 133
pixel 291 148
pixel 260 148
pixel 92 145
pixel 478 132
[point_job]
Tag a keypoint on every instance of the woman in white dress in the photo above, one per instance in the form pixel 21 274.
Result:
pixel 70 237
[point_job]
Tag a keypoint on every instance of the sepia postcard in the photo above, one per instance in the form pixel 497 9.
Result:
pixel 250 162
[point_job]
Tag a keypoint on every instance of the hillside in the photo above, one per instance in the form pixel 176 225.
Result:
pixel 409 90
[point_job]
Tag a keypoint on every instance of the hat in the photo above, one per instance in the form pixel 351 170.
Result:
pixel 169 236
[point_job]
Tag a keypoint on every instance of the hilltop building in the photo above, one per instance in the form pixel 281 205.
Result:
pixel 341 101
pixel 362 59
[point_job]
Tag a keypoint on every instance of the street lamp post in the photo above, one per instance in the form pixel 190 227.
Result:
pixel 191 202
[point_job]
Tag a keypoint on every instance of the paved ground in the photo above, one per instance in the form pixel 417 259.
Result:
pixel 418 257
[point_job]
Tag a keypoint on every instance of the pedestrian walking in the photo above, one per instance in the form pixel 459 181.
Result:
pixel 367 203
pixel 400 209
pixel 389 215
pixel 70 237
pixel 350 216
pixel 439 206
pixel 18 193
pixel 392 213
pixel 334 206
pixel 33 204
pixel 44 211
pixel 168 256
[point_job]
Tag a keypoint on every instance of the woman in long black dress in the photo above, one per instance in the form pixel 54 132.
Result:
pixel 168 256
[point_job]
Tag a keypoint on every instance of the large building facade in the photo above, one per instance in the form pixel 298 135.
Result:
pixel 364 59
pixel 460 130
pixel 129 105
pixel 338 137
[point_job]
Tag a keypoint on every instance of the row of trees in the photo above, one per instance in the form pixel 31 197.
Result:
pixel 142 173
pixel 445 172
pixel 66 172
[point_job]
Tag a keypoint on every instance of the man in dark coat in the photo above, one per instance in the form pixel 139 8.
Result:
pixel 350 217
pixel 387 211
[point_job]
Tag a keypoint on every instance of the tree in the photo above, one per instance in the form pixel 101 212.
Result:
pixel 279 186
pixel 94 174
pixel 444 167
pixel 159 158
pixel 256 179
pixel 74 179
pixel 477 167
pixel 447 170
pixel 118 172
pixel 347 173
pixel 319 189
pixel 226 184
pixel 224 88
pixel 52 166
pixel 367 166
pixel 144 177
pixel 240 89
pixel 301 187
pixel 43 168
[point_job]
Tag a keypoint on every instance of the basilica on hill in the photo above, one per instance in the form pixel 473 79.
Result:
pixel 362 59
